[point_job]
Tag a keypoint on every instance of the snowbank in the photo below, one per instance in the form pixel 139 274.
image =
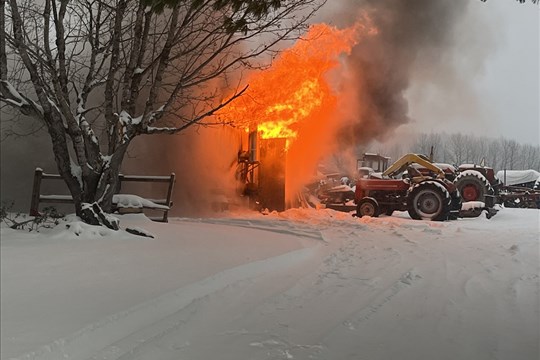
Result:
pixel 301 284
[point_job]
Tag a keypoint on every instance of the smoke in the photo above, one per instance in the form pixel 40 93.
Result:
pixel 380 68
pixel 204 160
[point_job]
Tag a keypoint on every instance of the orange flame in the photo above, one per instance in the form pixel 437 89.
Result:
pixel 279 99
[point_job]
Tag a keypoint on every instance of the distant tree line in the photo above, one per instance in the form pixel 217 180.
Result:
pixel 459 149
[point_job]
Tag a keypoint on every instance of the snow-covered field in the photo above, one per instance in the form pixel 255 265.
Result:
pixel 303 284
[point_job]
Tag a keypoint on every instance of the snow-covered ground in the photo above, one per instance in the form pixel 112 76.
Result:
pixel 303 284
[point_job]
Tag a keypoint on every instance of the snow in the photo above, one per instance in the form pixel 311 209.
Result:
pixel 134 201
pixel 473 173
pixel 157 129
pixel 125 118
pixel 301 284
pixel 469 205
pixel 76 171
pixel 514 177
pixel 152 117
pixel 148 177
pixel 137 120
pixel 20 100
pixel 106 160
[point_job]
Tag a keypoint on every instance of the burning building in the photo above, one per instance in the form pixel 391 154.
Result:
pixel 331 94
pixel 290 112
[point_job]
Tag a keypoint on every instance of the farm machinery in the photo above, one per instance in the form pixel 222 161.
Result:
pixel 519 188
pixel 511 188
pixel 423 189
pixel 432 191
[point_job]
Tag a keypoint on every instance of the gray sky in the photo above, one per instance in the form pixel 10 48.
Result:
pixel 490 86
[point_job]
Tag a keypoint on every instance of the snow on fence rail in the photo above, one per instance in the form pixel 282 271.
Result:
pixel 121 201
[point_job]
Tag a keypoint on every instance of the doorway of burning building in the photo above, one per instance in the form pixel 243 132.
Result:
pixel 272 173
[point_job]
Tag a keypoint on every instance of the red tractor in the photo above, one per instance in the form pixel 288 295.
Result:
pixel 425 194
pixel 414 184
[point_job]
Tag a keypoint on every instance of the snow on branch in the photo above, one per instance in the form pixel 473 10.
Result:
pixel 155 115
pixel 16 98
pixel 126 119
pixel 10 95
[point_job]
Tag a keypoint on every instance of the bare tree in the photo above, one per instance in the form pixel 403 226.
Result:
pixel 499 153
pixel 530 156
pixel 99 73
pixel 426 142
pixel 480 150
pixel 509 151
pixel 494 154
pixel 422 144
pixel 457 146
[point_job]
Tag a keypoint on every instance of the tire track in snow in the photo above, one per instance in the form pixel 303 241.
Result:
pixel 406 280
pixel 152 319
pixel 283 227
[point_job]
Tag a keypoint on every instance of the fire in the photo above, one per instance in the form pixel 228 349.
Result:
pixel 303 101
pixel 295 87
pixel 297 99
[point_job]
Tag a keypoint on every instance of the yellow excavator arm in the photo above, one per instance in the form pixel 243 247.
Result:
pixel 406 160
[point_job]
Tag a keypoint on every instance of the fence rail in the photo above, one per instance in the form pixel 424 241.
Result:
pixel 40 175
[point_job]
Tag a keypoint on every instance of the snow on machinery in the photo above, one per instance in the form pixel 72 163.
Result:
pixel 519 188
pixel 414 184
pixel 334 191
pixel 478 186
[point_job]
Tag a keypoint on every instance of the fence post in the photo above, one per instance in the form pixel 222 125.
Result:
pixel 169 196
pixel 34 204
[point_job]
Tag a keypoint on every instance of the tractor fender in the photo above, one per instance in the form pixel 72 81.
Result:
pixel 436 182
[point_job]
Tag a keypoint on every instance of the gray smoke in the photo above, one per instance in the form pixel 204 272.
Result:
pixel 408 32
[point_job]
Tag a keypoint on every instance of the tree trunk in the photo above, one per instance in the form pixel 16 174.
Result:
pixel 94 200
pixel 63 163
pixel 109 182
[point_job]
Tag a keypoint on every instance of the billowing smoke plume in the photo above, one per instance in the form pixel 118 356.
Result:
pixel 380 67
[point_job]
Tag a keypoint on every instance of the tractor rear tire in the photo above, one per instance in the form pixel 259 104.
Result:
pixel 367 206
pixel 473 186
pixel 428 201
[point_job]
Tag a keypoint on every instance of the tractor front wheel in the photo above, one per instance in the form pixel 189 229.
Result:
pixel 367 207
pixel 427 201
